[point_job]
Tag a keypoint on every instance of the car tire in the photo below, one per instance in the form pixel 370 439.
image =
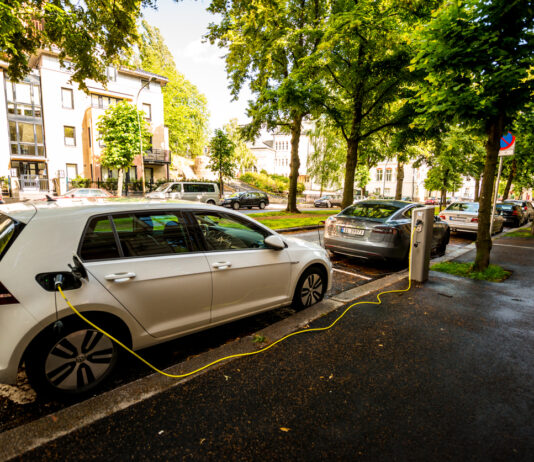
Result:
pixel 310 288
pixel 210 202
pixel 328 204
pixel 262 205
pixel 73 362
pixel 442 247
pixel 236 205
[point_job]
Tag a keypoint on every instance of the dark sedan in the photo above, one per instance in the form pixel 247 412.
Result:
pixel 511 213
pixel 378 229
pixel 526 207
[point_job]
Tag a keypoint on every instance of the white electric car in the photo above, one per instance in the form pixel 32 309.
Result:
pixel 144 272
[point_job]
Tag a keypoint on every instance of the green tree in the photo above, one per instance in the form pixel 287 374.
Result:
pixel 243 156
pixel 477 58
pixel 363 59
pixel 91 34
pixel 325 162
pixel 119 130
pixel 267 42
pixel 185 108
pixel 222 157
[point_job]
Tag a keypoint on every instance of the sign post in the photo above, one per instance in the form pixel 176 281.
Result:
pixel 507 149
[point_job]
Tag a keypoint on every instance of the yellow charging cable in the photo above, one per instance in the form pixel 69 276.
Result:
pixel 240 355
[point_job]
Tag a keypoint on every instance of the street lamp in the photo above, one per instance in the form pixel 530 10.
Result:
pixel 140 136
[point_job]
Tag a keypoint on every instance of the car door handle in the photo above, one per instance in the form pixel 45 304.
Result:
pixel 119 277
pixel 222 265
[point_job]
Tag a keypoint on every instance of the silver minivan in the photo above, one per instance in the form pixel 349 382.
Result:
pixel 187 190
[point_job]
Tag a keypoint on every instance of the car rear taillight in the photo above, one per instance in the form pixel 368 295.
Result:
pixel 515 213
pixel 474 220
pixel 6 297
pixel 384 230
pixel 443 217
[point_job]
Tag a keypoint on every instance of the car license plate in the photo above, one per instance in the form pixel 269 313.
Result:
pixel 354 231
pixel 456 219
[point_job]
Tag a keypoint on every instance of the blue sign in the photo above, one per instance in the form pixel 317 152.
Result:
pixel 507 141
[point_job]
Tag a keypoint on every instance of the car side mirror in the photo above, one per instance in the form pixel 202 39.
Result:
pixel 275 242
pixel 436 218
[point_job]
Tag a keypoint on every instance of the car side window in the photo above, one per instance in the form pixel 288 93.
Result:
pixel 224 232
pixel 147 234
pixel 176 188
pixel 99 241
pixel 408 213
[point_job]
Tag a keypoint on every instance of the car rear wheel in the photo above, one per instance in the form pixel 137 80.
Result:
pixel 236 205
pixel 211 202
pixel 73 362
pixel 262 205
pixel 310 288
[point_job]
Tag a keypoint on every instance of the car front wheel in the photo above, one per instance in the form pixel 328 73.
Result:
pixel 73 362
pixel 235 205
pixel 310 288
pixel 262 205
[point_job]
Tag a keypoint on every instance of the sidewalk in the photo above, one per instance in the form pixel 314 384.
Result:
pixel 443 372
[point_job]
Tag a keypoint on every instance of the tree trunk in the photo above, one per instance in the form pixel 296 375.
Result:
pixel 477 188
pixel 120 182
pixel 511 176
pixel 350 169
pixel 296 127
pixel 443 199
pixel 400 179
pixel 221 185
pixel 483 242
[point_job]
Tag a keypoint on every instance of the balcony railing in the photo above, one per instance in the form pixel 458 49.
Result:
pixel 157 156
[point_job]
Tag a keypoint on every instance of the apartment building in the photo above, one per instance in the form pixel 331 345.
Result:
pixel 51 134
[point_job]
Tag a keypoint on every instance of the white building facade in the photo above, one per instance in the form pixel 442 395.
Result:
pixel 51 135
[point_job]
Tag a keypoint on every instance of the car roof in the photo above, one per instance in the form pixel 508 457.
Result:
pixel 64 208
pixel 394 203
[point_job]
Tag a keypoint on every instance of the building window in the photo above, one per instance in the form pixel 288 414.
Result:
pixel 147 109
pixel 111 73
pixel 103 102
pixel 69 136
pixel 379 174
pixel 388 174
pixel 67 99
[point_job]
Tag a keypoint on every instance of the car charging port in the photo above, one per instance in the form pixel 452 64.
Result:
pixel 49 281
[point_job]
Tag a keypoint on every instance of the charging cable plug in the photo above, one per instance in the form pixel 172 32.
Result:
pixel 58 325
pixel 58 280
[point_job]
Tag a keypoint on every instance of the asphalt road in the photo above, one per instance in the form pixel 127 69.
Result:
pixel 18 405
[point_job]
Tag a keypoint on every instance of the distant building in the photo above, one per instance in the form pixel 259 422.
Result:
pixel 51 135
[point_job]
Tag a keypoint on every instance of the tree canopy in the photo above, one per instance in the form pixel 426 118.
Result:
pixel 92 34
pixel 222 157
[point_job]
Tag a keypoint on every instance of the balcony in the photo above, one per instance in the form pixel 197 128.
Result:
pixel 157 156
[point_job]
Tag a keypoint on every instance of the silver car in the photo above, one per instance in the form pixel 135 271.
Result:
pixel 463 216
pixel 378 229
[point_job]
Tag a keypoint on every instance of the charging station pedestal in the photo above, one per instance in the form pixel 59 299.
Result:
pixel 423 223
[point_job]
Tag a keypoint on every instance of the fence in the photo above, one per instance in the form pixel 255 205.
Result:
pixel 129 187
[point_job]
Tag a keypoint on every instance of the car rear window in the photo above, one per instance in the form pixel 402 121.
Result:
pixel 9 229
pixel 504 206
pixel 370 211
pixel 463 207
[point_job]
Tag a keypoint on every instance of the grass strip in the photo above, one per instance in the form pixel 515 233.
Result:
pixel 303 214
pixel 492 273
pixel 523 232
pixel 282 223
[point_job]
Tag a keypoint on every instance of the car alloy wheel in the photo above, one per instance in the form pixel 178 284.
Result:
pixel 72 363
pixel 262 205
pixel 310 288
pixel 235 205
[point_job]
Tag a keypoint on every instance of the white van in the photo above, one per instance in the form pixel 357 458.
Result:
pixel 187 190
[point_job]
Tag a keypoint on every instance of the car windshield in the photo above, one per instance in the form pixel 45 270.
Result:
pixel 163 187
pixel 463 207
pixel 236 194
pixel 370 211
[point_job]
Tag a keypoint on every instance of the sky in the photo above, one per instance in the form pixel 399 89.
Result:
pixel 183 24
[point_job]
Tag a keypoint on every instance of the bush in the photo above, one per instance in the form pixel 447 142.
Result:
pixel 110 184
pixel 80 182
pixel 275 184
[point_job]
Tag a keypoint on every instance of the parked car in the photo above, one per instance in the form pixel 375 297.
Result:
pixel 246 199
pixel 86 193
pixel 526 206
pixel 378 229
pixel 431 201
pixel 188 191
pixel 329 200
pixel 1 198
pixel 463 216
pixel 145 272
pixel 511 213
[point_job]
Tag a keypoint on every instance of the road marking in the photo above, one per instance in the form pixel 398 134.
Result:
pixel 353 274
pixel 516 246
